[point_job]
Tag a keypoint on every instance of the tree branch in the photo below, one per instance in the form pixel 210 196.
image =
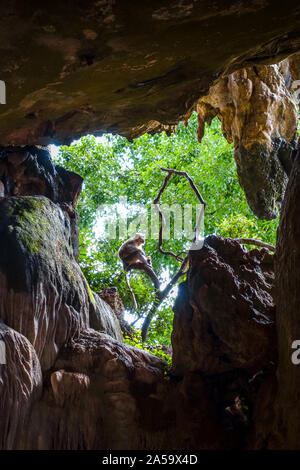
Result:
pixel 170 172
pixel 252 241
pixel 131 292
pixel 161 295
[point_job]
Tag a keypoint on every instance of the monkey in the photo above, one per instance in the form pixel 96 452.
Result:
pixel 131 253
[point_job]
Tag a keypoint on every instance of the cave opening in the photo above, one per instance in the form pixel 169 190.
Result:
pixel 68 380
pixel 120 181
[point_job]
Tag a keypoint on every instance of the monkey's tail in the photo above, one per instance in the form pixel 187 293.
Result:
pixel 131 292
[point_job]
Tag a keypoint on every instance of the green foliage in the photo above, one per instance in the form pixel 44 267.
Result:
pixel 161 326
pixel 233 225
pixel 114 168
pixel 137 342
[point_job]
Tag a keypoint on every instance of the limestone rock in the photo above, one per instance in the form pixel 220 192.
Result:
pixel 98 403
pixel 287 296
pixel 68 386
pixel 224 313
pixel 258 107
pixel 107 395
pixel 112 297
pixel 30 171
pixel 20 385
pixel 44 295
pixel 103 318
pixel 119 66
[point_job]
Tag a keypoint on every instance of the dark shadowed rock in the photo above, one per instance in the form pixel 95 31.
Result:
pixel 106 395
pixel 20 385
pixel 287 294
pixel 224 313
pixel 44 295
pixel 30 171
pixel 112 297
pixel 93 395
pixel 103 318
pixel 125 67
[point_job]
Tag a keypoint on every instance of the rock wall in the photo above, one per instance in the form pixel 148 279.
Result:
pixel 43 293
pixel 119 66
pixel 20 385
pixel 103 318
pixel 225 313
pixel 224 332
pixel 286 435
pixel 45 300
pixel 258 107
pixel 89 396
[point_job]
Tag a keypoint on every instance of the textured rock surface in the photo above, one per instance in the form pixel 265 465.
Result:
pixel 258 107
pixel 107 395
pixel 20 385
pixel 224 332
pixel 30 171
pixel 95 405
pixel 120 66
pixel 103 318
pixel 224 314
pixel 44 295
pixel 112 297
pixel 287 296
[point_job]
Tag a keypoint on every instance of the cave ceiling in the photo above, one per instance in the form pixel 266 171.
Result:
pixel 126 67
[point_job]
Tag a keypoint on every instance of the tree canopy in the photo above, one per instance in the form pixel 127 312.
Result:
pixel 126 176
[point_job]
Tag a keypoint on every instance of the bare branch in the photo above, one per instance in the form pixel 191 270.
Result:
pixel 161 295
pixel 252 241
pixel 131 292
pixel 192 184
pixel 164 185
pixel 162 220
pixel 170 172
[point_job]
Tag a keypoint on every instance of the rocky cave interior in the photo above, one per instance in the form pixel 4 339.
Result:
pixel 130 67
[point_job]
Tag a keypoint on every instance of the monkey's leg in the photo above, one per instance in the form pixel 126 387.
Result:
pixel 149 271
